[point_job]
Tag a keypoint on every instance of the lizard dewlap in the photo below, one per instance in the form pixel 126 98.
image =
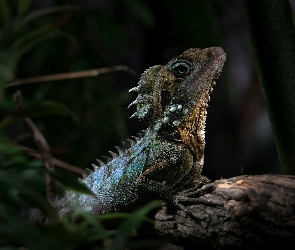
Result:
pixel 169 155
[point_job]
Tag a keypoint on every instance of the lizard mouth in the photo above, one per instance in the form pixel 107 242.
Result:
pixel 203 85
pixel 204 78
pixel 198 89
pixel 212 69
pixel 210 73
pixel 219 61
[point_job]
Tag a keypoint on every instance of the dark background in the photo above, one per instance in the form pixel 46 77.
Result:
pixel 141 34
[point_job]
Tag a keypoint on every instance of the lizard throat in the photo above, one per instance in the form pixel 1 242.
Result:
pixel 192 131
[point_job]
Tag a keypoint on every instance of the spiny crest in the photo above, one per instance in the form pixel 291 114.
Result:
pixel 144 101
pixel 126 145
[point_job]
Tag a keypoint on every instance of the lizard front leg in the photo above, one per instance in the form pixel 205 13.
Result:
pixel 171 196
pixel 148 183
pixel 154 181
pixel 154 168
pixel 190 195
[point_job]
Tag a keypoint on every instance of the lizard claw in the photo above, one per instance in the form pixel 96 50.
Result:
pixel 192 195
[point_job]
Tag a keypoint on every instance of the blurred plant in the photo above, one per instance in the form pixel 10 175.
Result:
pixel 16 39
pixel 22 179
pixel 44 108
pixel 22 186
pixel 272 32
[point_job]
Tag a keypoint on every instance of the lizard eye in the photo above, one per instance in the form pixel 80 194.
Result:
pixel 180 68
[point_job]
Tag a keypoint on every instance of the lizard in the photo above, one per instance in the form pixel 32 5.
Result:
pixel 169 155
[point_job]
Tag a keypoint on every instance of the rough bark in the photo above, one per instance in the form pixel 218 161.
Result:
pixel 245 212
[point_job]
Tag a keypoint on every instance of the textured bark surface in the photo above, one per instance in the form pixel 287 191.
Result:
pixel 245 212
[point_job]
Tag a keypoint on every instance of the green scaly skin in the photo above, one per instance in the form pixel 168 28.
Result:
pixel 169 156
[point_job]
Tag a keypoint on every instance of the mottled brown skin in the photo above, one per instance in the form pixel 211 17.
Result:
pixel 169 157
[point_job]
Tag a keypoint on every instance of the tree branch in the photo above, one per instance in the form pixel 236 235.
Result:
pixel 56 162
pixel 41 143
pixel 245 212
pixel 74 75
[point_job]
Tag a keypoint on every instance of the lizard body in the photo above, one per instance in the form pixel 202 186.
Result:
pixel 169 156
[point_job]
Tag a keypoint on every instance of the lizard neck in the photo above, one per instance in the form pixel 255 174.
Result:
pixel 190 133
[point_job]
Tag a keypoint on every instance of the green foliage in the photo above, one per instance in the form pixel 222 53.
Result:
pixel 22 186
pixel 15 40
pixel 23 7
pixel 32 43
pixel 273 40
pixel 22 181
pixel 44 108
pixel 133 222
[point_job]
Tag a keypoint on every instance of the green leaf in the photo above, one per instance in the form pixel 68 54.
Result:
pixel 272 34
pixel 30 39
pixel 43 108
pixel 19 230
pixel 23 6
pixel 33 43
pixel 5 14
pixel 132 223
pixel 9 120
pixel 42 12
pixel 6 73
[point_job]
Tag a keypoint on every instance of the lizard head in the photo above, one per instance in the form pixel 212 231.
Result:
pixel 174 97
